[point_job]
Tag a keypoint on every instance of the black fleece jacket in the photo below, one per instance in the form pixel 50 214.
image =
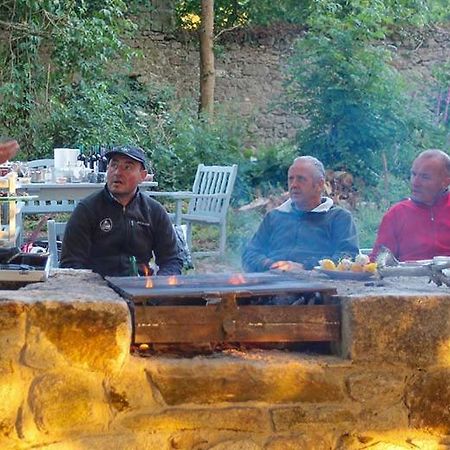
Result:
pixel 104 236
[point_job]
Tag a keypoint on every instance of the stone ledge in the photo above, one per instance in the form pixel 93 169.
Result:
pixel 428 397
pixel 73 319
pixel 412 330
pixel 299 417
pixel 271 377
pixel 243 418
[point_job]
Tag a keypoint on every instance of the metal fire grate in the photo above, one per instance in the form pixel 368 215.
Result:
pixel 236 308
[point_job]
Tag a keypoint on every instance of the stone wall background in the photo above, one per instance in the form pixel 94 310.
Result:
pixel 249 70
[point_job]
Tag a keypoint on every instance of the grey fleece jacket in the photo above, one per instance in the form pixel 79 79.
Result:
pixel 288 234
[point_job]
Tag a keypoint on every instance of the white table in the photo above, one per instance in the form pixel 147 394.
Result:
pixel 69 191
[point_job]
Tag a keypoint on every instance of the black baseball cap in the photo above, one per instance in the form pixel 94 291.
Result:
pixel 135 153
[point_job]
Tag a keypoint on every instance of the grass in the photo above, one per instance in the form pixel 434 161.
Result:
pixel 367 217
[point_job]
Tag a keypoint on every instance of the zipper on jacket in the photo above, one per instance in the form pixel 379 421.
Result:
pixel 433 229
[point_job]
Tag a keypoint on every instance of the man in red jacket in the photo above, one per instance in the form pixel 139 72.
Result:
pixel 419 227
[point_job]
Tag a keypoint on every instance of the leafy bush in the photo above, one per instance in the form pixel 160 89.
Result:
pixel 53 53
pixel 358 106
pixel 264 172
pixel 177 142
pixel 231 13
pixel 355 102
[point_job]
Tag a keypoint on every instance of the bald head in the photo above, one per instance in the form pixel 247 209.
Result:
pixel 306 178
pixel 441 157
pixel 430 176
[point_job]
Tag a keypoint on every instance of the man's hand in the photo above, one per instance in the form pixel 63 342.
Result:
pixel 8 150
pixel 287 266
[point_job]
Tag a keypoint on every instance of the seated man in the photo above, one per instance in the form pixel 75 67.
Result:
pixel 419 227
pixel 304 229
pixel 116 231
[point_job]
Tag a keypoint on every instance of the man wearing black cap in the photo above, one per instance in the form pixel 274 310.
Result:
pixel 116 231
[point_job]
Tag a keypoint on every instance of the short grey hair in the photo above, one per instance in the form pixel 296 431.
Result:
pixel 319 169
pixel 436 153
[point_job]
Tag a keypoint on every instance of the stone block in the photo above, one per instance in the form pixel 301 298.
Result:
pixel 380 416
pixel 243 419
pixel 269 379
pixel 410 329
pixel 209 438
pixel 70 401
pixel 302 416
pixel 380 386
pixel 111 441
pixel 129 389
pixel 13 391
pixel 428 399
pixel 94 335
pixel 13 315
pixel 305 441
pixel 244 444
pixel 66 322
pixel 360 442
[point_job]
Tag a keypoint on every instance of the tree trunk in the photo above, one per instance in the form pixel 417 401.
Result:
pixel 207 75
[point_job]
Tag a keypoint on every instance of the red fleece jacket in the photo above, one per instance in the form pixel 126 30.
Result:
pixel 414 231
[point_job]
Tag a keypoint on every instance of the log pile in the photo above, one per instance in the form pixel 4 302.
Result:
pixel 340 186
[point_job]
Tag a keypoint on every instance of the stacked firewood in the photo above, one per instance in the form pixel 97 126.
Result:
pixel 340 186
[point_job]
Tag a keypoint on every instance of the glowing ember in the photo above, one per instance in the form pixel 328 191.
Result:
pixel 172 280
pixel 237 278
pixel 148 283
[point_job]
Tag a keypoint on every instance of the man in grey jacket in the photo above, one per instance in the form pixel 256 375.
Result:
pixel 305 229
pixel 116 231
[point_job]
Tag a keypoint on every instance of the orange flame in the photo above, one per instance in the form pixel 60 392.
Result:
pixel 237 278
pixel 172 280
pixel 147 273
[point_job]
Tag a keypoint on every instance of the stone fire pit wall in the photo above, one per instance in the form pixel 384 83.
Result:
pixel 69 382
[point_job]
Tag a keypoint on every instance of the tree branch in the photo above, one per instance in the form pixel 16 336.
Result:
pixel 226 30
pixel 23 29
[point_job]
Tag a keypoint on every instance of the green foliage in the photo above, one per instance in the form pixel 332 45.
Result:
pixel 439 11
pixel 357 104
pixel 377 200
pixel 230 13
pixel 55 52
pixel 367 218
pixel 177 142
pixel 265 172
pixel 439 94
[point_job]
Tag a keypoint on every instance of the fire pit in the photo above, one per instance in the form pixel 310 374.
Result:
pixel 230 308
